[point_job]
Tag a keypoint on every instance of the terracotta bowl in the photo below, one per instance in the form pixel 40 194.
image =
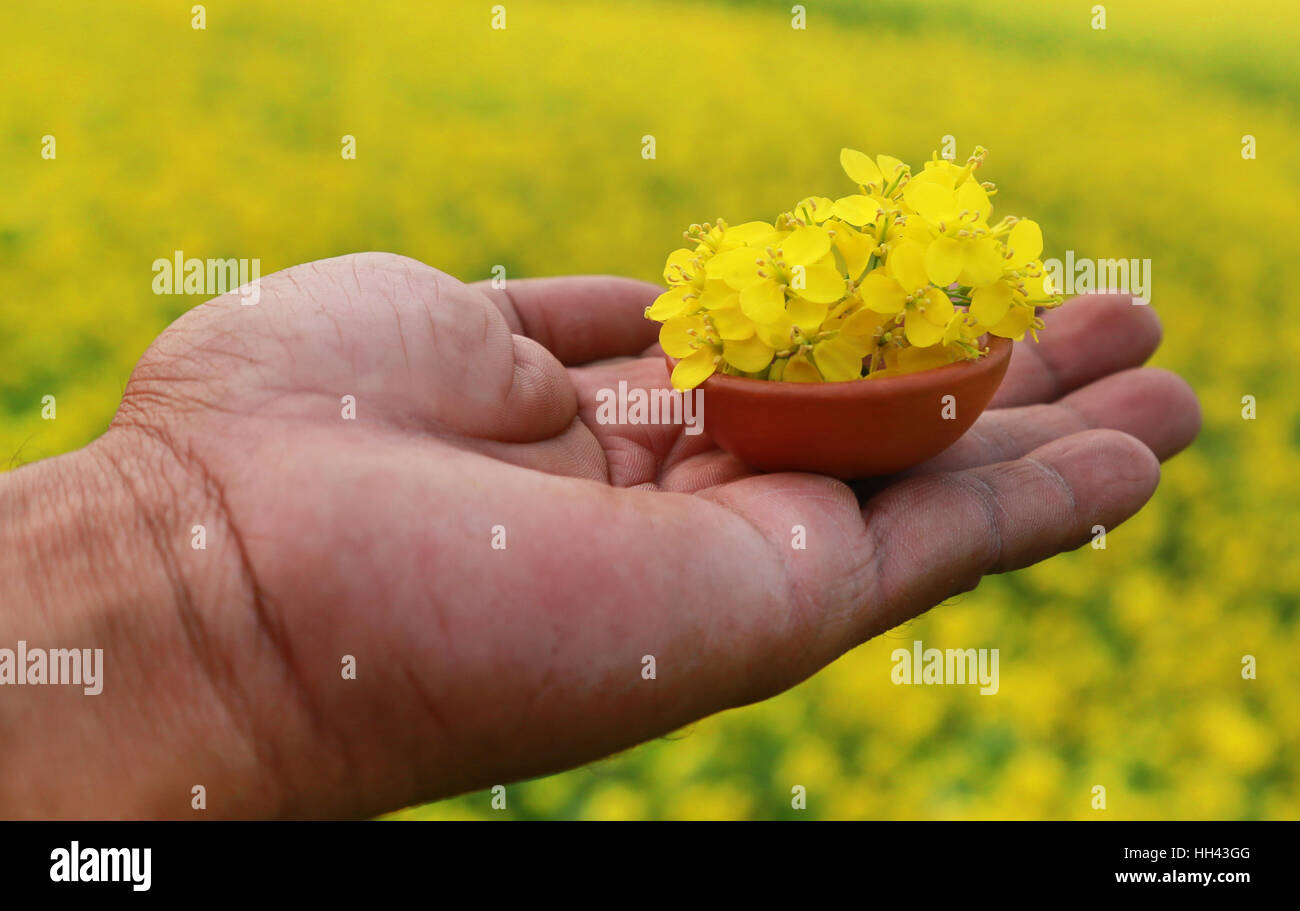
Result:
pixel 855 429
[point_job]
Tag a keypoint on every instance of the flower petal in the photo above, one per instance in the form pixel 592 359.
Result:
pixel 732 324
pixel 717 293
pixel 861 328
pixel 937 306
pixel 1014 324
pixel 914 360
pixel 943 260
pixel 861 169
pixel 747 233
pixel 857 210
pixel 890 167
pixel 920 332
pixel 838 359
pixel 799 369
pixel 777 332
pixel 680 337
pixel 971 197
pixel 693 370
pixel 670 304
pixel 737 267
pixel 821 283
pixel 906 262
pixel 1025 242
pixel 932 202
pixel 989 304
pixel 763 302
pixel 882 293
pixel 807 315
pixel 679 261
pixel 855 249
pixel 805 246
pixel 981 262
pixel 747 355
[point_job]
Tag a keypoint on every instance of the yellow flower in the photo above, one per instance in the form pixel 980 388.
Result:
pixel 1006 307
pixel 905 275
pixel 1015 323
pixel 860 210
pixel 701 343
pixel 914 360
pixel 799 369
pixel 748 355
pixel 692 341
pixel 839 357
pixel 799 263
pixel 684 275
pixel 902 286
pixel 814 210
pixel 882 175
pixel 854 247
pixel 962 248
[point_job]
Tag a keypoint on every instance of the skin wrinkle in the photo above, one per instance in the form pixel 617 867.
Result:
pixel 269 622
pixel 238 706
pixel 268 327
pixel 1009 445
pixel 265 747
pixel 334 321
pixel 387 293
pixel 442 728
pixel 1053 373
pixel 484 314
pixel 155 387
pixel 429 307
pixel 858 584
pixel 252 594
pixel 546 686
pixel 206 342
pixel 509 300
pixel 1006 441
pixel 666 458
pixel 881 516
pixel 970 482
pixel 334 281
pixel 235 708
pixel 633 458
pixel 589 461
pixel 427 310
pixel 799 606
pixel 875 546
pixel 603 454
pixel 1057 478
pixel 1081 422
pixel 517 381
pixel 631 451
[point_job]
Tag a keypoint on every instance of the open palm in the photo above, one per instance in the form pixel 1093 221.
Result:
pixel 402 470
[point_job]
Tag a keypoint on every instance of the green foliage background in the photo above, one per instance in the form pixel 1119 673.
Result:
pixel 522 147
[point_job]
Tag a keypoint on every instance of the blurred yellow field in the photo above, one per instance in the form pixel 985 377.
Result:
pixel 522 147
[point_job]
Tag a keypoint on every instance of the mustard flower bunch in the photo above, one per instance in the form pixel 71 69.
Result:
pixel 904 275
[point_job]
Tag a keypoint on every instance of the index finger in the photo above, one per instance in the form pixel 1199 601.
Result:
pixel 579 318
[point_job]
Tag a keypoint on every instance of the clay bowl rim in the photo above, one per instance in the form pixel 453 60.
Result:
pixel 999 350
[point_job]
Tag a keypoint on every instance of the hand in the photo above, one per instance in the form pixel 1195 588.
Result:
pixel 475 410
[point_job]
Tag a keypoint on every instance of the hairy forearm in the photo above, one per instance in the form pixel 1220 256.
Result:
pixel 88 545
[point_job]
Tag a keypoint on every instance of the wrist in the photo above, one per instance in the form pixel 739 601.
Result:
pixel 93 555
pixel 77 539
